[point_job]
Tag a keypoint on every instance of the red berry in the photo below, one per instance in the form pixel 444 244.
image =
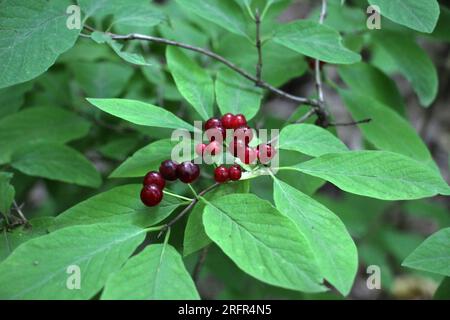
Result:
pixel 200 149
pixel 235 172
pixel 213 148
pixel 168 170
pixel 221 174
pixel 239 121
pixel 216 133
pixel 249 156
pixel 265 153
pixel 227 121
pixel 244 133
pixel 187 171
pixel 151 195
pixel 212 123
pixel 154 177
pixel 237 146
pixel 312 64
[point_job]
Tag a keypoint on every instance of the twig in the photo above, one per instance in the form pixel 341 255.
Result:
pixel 20 213
pixel 306 116
pixel 199 264
pixel 318 76
pixel 215 56
pixel 186 210
pixel 258 47
pixel 346 124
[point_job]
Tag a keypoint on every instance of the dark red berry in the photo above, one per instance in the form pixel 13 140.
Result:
pixel 200 149
pixel 154 177
pixel 221 174
pixel 151 195
pixel 248 156
pixel 237 146
pixel 187 171
pixel 244 133
pixel 239 121
pixel 227 121
pixel 213 148
pixel 168 170
pixel 212 123
pixel 265 153
pixel 312 64
pixel 235 172
pixel 216 133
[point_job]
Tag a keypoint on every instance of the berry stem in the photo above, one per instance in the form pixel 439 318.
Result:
pixel 177 195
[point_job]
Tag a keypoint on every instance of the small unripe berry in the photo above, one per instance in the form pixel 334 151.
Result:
pixel 188 172
pixel 235 172
pixel 156 178
pixel 151 195
pixel 221 174
pixel 168 170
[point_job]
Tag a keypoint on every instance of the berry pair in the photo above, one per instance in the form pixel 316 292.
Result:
pixel 154 182
pixel 223 174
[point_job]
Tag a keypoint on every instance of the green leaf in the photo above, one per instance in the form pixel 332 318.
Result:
pixel 193 82
pixel 442 27
pixel 12 98
pixel 119 148
pixel 141 113
pixel 226 14
pixel 377 174
pixel 310 140
pixel 236 94
pixel 262 242
pixel 418 15
pixel 363 77
pixel 388 130
pixel 57 162
pixel 7 192
pixel 195 237
pixel 34 34
pixel 37 125
pixel 102 79
pixel 38 269
pixel 432 255
pixel 120 205
pixel 332 245
pixel 411 61
pixel 443 291
pixel 315 40
pixel 157 273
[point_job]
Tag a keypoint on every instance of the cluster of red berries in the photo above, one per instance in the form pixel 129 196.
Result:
pixel 223 174
pixel 154 182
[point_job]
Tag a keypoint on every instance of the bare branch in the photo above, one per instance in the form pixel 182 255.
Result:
pixel 258 47
pixel 318 75
pixel 353 123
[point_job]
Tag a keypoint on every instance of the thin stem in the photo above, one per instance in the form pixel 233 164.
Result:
pixel 20 213
pixel 215 56
pixel 193 190
pixel 259 64
pixel 306 116
pixel 318 76
pixel 353 123
pixel 177 195
pixel 199 264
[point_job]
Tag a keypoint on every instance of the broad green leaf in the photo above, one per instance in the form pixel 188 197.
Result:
pixel 42 267
pixel 315 40
pixel 332 245
pixel 141 113
pixel 442 27
pixel 102 79
pixel 262 242
pixel 398 244
pixel 377 174
pixel 7 192
pixel 10 240
pixel 419 15
pixel 388 130
pixel 195 237
pixel 12 98
pixel 443 291
pixel 56 162
pixel 36 125
pixel 411 61
pixel 119 148
pixel 432 255
pixel 236 94
pixel 193 82
pixel 428 210
pixel 146 159
pixel 157 273
pixel 118 205
pixel 343 18
pixel 226 14
pixel 310 140
pixel 363 77
pixel 34 34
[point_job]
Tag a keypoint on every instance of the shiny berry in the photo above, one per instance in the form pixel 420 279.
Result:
pixel 200 149
pixel 154 177
pixel 227 121
pixel 236 146
pixel 217 133
pixel 239 121
pixel 244 133
pixel 213 148
pixel 168 170
pixel 221 174
pixel 151 195
pixel 248 156
pixel 235 172
pixel 187 171
pixel 265 153
pixel 212 123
